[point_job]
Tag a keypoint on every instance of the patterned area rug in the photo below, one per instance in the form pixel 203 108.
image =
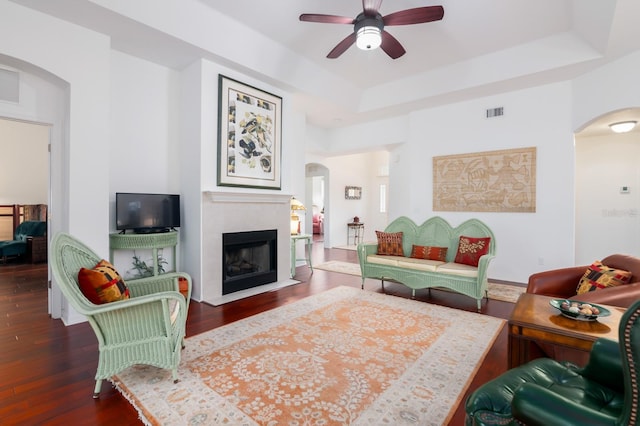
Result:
pixel 504 292
pixel 342 357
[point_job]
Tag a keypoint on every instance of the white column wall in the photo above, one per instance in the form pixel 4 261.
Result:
pixel 199 136
pixel 80 58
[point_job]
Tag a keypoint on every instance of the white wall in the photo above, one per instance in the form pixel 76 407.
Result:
pixel 607 220
pixel 24 163
pixel 144 154
pixel 600 206
pixel 608 88
pixel 538 117
pixel 64 56
pixel 144 127
pixel 544 117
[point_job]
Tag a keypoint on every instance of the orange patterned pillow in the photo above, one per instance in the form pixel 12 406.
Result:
pixel 102 284
pixel 429 253
pixel 600 276
pixel 390 243
pixel 471 249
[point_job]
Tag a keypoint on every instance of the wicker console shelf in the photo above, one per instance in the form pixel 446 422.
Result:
pixel 145 241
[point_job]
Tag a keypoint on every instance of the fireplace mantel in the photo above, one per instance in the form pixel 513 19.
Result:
pixel 244 197
pixel 225 212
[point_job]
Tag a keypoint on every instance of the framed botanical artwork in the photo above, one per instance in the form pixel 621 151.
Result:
pixel 249 136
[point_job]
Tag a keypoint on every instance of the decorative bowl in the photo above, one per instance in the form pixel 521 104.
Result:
pixel 567 308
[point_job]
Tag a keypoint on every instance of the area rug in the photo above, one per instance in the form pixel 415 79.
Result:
pixel 343 357
pixel 352 248
pixel 497 291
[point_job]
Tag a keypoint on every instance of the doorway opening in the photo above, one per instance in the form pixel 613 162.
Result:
pixel 317 196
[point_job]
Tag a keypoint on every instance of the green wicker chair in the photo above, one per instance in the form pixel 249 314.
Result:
pixel 145 329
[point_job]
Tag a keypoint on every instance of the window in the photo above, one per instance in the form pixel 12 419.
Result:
pixel 383 198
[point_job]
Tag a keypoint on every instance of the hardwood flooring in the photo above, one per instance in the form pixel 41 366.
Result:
pixel 47 369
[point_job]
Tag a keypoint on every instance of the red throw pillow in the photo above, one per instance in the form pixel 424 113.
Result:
pixel 429 253
pixel 390 243
pixel 102 284
pixel 470 250
pixel 600 276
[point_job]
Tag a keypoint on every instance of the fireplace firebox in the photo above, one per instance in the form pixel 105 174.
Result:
pixel 249 259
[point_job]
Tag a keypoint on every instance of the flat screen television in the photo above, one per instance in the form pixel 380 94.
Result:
pixel 147 213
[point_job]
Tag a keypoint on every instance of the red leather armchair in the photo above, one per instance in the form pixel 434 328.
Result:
pixel 562 283
pixel 317 224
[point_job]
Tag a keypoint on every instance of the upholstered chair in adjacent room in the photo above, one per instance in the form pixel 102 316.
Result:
pixel 141 321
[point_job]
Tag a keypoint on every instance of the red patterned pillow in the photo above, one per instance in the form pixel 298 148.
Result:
pixel 102 284
pixel 390 243
pixel 470 250
pixel 600 276
pixel 429 253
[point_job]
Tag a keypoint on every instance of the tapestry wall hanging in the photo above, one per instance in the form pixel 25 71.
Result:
pixel 491 181
pixel 249 136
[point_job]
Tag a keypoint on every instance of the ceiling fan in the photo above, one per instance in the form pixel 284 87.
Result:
pixel 368 27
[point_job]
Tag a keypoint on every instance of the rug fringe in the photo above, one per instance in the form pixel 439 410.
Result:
pixel 120 387
pixel 465 388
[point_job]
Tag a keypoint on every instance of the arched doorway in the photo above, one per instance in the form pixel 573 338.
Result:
pixel 46 104
pixel 317 196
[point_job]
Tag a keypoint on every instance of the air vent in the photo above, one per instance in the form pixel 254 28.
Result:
pixel 9 85
pixel 495 112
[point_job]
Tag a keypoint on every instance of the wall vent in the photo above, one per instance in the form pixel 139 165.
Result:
pixel 495 112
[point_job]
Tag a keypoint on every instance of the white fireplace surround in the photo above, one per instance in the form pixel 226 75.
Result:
pixel 224 212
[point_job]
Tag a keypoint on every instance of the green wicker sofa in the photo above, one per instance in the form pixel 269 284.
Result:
pixel 421 273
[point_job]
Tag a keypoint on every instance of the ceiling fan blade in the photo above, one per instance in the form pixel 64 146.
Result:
pixel 391 46
pixel 326 19
pixel 418 15
pixel 342 46
pixel 371 7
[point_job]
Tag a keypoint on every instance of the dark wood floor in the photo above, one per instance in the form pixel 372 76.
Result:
pixel 47 369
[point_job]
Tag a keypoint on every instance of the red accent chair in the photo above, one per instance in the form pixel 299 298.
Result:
pixel 317 224
pixel 562 283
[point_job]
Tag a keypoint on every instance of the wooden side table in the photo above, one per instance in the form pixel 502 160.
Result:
pixel 355 230
pixel 536 329
pixel 36 249
pixel 307 242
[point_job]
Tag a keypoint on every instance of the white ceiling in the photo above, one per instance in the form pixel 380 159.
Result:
pixel 469 29
pixel 479 48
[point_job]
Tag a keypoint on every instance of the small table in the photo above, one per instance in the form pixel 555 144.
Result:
pixel 536 329
pixel 36 249
pixel 357 229
pixel 307 241
pixel 154 242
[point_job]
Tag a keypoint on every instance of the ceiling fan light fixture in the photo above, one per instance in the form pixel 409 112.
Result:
pixel 623 126
pixel 368 38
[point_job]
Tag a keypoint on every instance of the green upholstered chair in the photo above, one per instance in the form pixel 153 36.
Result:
pixel 546 392
pixel 18 246
pixel 148 328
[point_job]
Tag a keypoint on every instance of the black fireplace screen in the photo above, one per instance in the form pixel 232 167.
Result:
pixel 249 259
